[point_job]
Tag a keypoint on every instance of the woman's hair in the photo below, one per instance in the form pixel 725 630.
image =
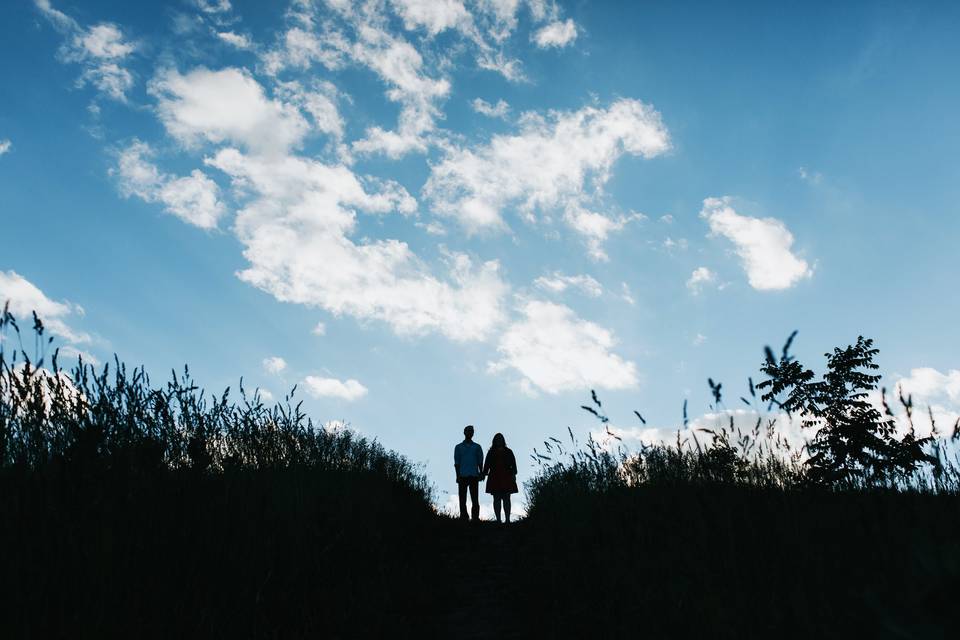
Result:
pixel 499 441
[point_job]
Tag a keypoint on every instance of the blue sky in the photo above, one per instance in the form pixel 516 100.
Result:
pixel 434 213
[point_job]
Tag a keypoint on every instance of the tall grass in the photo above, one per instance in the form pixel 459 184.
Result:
pixel 731 532
pixel 116 417
pixel 131 509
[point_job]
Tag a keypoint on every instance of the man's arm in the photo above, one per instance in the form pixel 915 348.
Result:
pixel 456 464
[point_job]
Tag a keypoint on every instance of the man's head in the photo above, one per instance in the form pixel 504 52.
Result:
pixel 468 432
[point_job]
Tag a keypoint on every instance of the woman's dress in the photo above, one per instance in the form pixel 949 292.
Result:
pixel 500 468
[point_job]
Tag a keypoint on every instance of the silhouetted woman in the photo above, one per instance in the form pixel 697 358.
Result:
pixel 500 468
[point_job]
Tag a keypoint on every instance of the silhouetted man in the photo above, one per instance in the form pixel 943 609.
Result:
pixel 468 461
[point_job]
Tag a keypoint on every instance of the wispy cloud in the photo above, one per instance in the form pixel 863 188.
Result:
pixel 700 277
pixel 498 110
pixel 557 282
pixel 101 50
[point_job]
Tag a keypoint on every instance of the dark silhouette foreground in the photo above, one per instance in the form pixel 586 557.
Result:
pixel 133 511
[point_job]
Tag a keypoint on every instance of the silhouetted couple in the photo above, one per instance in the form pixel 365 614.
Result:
pixel 499 468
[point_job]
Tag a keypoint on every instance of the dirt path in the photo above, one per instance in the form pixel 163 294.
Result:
pixel 481 560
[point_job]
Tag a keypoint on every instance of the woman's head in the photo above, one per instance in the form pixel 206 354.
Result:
pixel 499 441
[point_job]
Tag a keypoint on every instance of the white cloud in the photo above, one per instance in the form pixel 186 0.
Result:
pixel 5 146
pixel 225 106
pixel 68 355
pixel 432 15
pixel 670 244
pixel 700 277
pixel 433 227
pixel 626 295
pixel 100 50
pixel 783 431
pixel 595 227
pixel 666 219
pixel 274 365
pixel 931 391
pixel 556 34
pixel 556 351
pixel 193 198
pixel 238 40
pixel 699 339
pixel 557 282
pixel 401 67
pixel 549 165
pixel 763 245
pixel 213 6
pixel 319 330
pixel 348 390
pixel 483 107
pixel 296 229
pixel 24 298
pixel 319 102
pixel 359 35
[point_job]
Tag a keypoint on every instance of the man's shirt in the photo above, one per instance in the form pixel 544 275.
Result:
pixel 468 456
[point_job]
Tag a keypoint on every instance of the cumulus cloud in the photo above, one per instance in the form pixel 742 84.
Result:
pixel 556 34
pixel 763 244
pixel 434 16
pixel 348 390
pixel 100 50
pixel 24 298
pixel 274 365
pixel 297 228
pixel 225 106
pixel 554 351
pixel 557 282
pixel 193 198
pixel 700 277
pixel 931 391
pixel 5 146
pixel 549 165
pixel 483 107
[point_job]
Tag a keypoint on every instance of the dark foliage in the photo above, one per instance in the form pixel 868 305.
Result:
pixel 853 440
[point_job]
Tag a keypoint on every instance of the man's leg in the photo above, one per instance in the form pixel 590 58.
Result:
pixel 496 505
pixel 462 491
pixel 474 498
